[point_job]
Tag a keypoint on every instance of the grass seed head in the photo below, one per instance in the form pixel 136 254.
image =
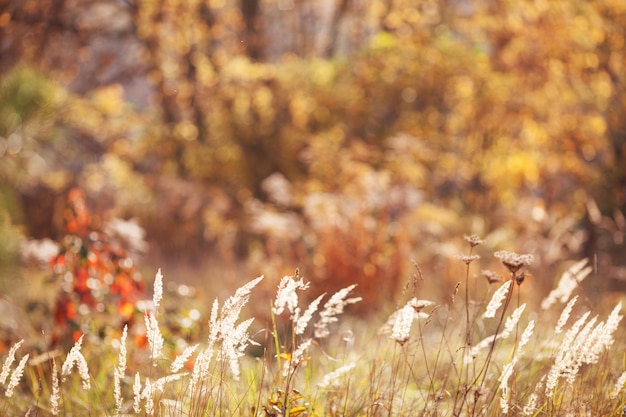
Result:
pixel 6 367
pixel 155 339
pixel 16 376
pixel 75 357
pixel 158 289
pixel 332 379
pixel 287 295
pixel 137 394
pixel 182 359
pixel 496 300
pixel 55 396
pixel 567 283
pixel 333 307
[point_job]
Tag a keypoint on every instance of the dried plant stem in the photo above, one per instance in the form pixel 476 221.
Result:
pixel 394 376
pixel 405 355
pixel 468 328
pixel 463 383
pixel 275 337
pixel 430 375
pixel 261 381
pixel 483 372
pixel 346 398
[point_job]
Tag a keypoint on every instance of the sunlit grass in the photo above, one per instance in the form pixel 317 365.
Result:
pixel 450 357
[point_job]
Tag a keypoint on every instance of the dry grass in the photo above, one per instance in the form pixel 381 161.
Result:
pixel 459 356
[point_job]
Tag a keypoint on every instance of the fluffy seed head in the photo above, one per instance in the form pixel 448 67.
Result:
pixel 565 315
pixel 512 321
pixel 182 359
pixel 303 321
pixel 155 339
pixel 333 307
pixel 332 379
pixel 137 394
pixel 147 394
pixel 287 296
pixel 567 284
pixel 75 357
pixel 121 357
pixel 6 367
pixel 619 386
pixel 496 300
pixel 16 376
pixel 55 396
pixel 158 289
pixel 117 391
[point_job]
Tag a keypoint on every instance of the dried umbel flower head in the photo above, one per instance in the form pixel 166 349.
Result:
pixel 398 325
pixel 473 240
pixel 492 277
pixel 418 305
pixel 401 329
pixel 468 259
pixel 512 260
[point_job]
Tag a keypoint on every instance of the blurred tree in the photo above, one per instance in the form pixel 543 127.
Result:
pixel 504 111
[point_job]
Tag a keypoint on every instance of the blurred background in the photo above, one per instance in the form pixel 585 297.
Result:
pixel 347 138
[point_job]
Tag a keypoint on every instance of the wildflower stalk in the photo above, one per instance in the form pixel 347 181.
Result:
pixel 394 376
pixel 513 262
pixel 473 241
pixel 483 371
pixel 422 344
pixel 275 337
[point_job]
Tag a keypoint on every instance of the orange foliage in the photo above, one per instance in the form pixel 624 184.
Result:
pixel 93 275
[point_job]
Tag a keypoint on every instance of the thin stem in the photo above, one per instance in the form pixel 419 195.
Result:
pixel 468 337
pixel 393 380
pixel 405 355
pixel 468 332
pixel 507 301
pixel 262 379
